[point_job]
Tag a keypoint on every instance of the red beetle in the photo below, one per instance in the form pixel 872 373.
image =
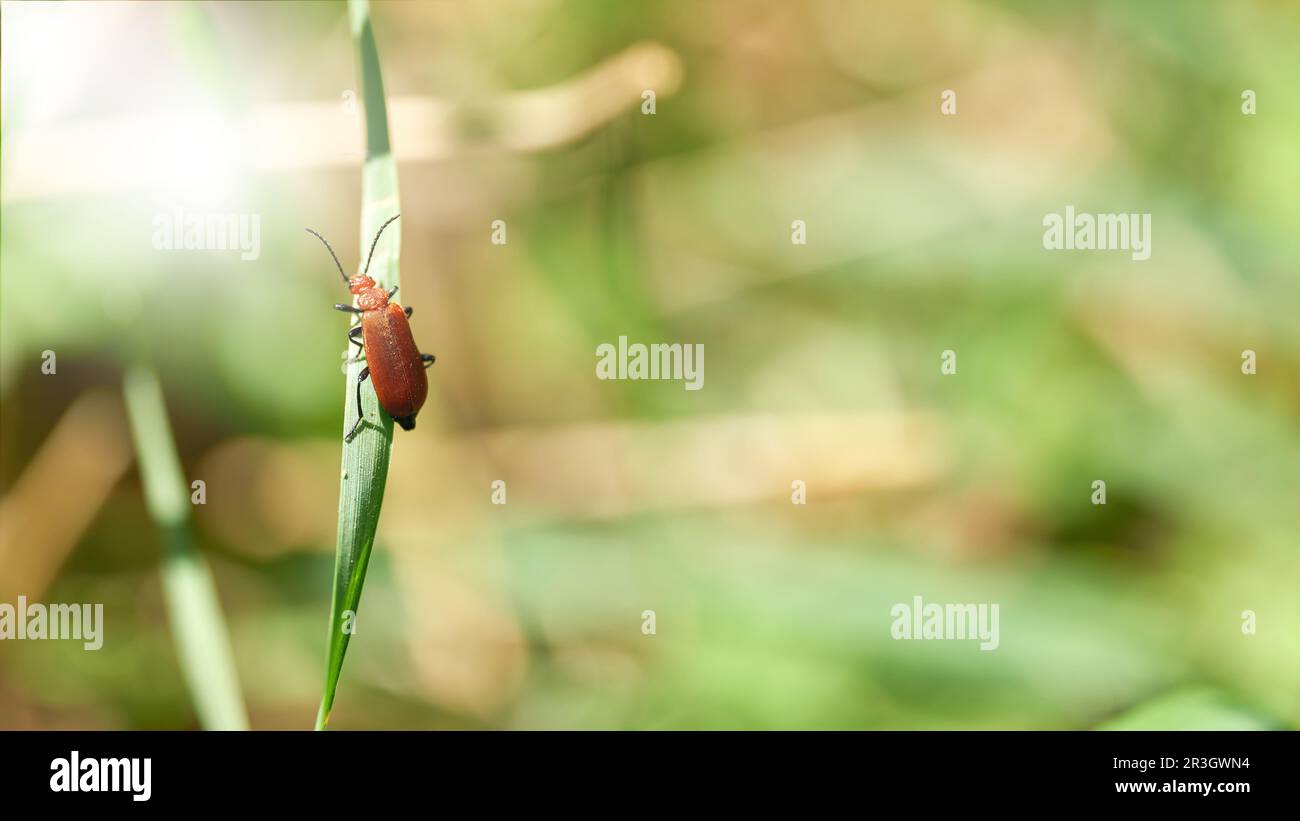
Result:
pixel 393 362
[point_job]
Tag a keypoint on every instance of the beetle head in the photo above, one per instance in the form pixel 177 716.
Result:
pixel 360 283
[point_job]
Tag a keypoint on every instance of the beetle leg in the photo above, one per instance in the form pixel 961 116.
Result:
pixel 353 335
pixel 390 293
pixel 409 310
pixel 347 308
pixel 361 415
pixel 428 359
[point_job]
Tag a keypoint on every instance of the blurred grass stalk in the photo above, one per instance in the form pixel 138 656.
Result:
pixel 365 458
pixel 198 627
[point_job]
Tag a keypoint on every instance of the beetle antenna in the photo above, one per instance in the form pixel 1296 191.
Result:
pixel 376 242
pixel 331 250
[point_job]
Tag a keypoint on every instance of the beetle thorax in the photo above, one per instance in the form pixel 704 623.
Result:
pixel 369 296
pixel 372 299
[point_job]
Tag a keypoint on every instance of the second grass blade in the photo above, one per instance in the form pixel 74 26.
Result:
pixel 199 629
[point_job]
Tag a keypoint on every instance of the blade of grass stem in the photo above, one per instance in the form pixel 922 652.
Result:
pixel 365 458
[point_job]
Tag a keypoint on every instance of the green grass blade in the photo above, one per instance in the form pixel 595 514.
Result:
pixel 198 628
pixel 365 458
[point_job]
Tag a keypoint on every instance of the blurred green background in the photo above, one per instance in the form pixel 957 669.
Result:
pixel 822 360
